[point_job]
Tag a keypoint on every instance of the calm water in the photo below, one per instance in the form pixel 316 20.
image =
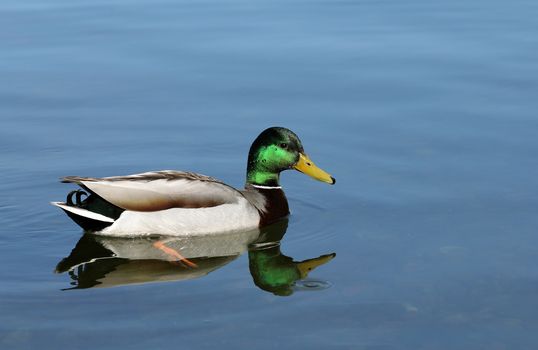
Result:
pixel 424 111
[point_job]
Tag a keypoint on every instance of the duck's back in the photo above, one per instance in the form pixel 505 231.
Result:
pixel 164 202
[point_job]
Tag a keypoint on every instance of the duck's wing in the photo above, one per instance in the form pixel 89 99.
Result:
pixel 159 190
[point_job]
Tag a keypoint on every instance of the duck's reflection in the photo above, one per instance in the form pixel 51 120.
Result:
pixel 98 261
pixel 275 272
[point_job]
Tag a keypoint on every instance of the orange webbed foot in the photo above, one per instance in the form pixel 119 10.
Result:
pixel 174 254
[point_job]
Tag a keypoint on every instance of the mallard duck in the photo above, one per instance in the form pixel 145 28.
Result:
pixel 183 203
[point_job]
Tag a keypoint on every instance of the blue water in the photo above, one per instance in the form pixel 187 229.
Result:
pixel 424 112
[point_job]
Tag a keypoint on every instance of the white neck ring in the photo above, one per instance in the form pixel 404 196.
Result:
pixel 267 187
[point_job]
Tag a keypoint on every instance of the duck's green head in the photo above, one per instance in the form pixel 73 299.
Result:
pixel 278 149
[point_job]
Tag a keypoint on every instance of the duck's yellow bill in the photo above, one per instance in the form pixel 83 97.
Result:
pixel 306 166
pixel 306 266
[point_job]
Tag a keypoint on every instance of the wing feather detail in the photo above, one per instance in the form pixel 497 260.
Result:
pixel 160 190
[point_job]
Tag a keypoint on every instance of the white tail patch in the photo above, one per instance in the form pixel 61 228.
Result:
pixel 82 212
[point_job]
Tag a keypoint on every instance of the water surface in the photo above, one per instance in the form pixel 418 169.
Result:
pixel 425 113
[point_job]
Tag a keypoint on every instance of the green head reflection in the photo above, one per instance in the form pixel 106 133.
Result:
pixel 273 271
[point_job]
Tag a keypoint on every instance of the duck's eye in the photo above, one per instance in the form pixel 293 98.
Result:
pixel 284 145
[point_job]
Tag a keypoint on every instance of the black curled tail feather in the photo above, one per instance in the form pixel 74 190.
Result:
pixel 92 203
pixel 78 198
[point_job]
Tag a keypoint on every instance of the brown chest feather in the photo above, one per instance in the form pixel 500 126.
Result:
pixel 272 204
